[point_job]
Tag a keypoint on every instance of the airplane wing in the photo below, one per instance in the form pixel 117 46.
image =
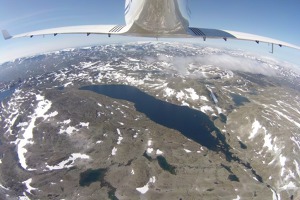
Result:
pixel 127 30
pixel 86 29
pixel 224 34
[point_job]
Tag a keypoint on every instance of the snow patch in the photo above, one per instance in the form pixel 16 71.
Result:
pixel 180 95
pixel 150 150
pixel 282 160
pixel 193 95
pixel 120 137
pixel 297 167
pixel 289 186
pixel 237 198
pixel 219 110
pixel 144 189
pixel 83 124
pixel 1 186
pixel 204 98
pixel 66 122
pixel 70 160
pixel 185 104
pixel 42 107
pixel 268 141
pixel 255 127
pixel 114 151
pixel 132 59
pixel 204 109
pixel 22 124
pixel 69 130
pixel 28 186
pixel 169 92
pixel 136 135
pixel 159 152
pixel 53 114
pixel 149 142
pixel 288 118
pixel 188 151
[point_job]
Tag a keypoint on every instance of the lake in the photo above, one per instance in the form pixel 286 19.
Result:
pixel 192 123
pixel 7 93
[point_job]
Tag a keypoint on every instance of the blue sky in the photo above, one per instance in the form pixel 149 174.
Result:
pixel 278 19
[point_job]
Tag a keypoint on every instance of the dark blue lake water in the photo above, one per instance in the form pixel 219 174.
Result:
pixel 191 123
pixel 238 99
pixel 7 93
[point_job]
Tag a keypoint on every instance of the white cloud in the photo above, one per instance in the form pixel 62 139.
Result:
pixel 238 63
pixel 223 61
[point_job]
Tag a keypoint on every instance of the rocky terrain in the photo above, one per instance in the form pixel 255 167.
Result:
pixel 61 141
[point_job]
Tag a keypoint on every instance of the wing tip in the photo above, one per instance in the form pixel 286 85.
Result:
pixel 6 35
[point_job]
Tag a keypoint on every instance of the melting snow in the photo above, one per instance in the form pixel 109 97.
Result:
pixel 219 110
pixel 69 83
pixel 268 141
pixel 114 151
pixel 186 150
pixel 1 186
pixel 282 160
pixel 204 98
pixel 193 94
pixel 22 124
pixel 42 107
pixel 185 104
pixel 288 118
pixel 255 127
pixel 297 168
pixel 70 160
pixel 132 59
pixel 169 92
pixel 296 142
pixel 67 121
pixel 136 135
pixel 159 152
pixel 27 184
pixel 237 198
pixel 289 186
pixel 120 137
pixel 69 130
pixel 145 189
pixel 204 109
pixel 150 150
pixel 53 114
pixel 23 197
pixel 84 124
pixel 180 95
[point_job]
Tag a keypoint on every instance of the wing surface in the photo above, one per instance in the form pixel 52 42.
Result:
pixel 127 30
pixel 86 29
pixel 224 34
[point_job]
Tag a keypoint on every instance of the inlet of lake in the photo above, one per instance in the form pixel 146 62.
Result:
pixel 7 93
pixel 192 123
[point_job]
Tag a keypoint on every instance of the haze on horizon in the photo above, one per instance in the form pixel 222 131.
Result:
pixel 254 17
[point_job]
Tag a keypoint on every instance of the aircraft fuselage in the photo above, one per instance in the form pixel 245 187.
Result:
pixel 157 17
